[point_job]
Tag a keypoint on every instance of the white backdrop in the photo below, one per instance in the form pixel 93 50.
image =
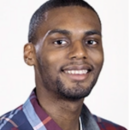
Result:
pixel 109 98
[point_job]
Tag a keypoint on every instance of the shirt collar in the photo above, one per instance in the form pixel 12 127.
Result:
pixel 80 123
pixel 40 120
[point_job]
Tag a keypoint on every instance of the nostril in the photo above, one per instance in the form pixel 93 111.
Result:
pixel 84 57
pixel 73 57
pixel 78 57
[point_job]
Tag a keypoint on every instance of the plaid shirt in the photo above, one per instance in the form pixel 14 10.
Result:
pixel 30 116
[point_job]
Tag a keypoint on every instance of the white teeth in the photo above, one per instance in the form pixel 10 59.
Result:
pixel 69 72
pixel 76 71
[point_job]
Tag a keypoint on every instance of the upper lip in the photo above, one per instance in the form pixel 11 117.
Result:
pixel 78 67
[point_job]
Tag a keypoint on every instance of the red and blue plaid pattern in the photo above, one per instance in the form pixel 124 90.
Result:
pixel 30 116
pixel 107 125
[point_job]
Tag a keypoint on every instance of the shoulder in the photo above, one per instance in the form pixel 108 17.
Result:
pixel 9 121
pixel 107 125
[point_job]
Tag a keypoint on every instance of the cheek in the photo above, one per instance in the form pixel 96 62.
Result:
pixel 53 58
pixel 97 58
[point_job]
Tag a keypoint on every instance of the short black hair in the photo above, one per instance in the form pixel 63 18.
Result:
pixel 38 16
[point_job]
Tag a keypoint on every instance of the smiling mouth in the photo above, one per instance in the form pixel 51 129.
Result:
pixel 78 72
pixel 77 75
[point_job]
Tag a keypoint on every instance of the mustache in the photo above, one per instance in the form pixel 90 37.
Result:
pixel 76 63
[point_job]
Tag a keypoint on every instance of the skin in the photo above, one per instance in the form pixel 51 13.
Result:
pixel 66 41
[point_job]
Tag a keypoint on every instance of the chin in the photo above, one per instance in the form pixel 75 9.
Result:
pixel 76 91
pixel 73 93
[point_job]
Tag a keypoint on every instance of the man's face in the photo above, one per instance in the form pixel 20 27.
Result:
pixel 69 51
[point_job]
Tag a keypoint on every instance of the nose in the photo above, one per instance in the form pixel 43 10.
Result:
pixel 78 51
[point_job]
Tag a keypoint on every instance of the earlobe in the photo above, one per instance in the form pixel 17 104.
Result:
pixel 29 54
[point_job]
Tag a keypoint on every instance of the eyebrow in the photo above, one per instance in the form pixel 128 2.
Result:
pixel 66 32
pixel 93 32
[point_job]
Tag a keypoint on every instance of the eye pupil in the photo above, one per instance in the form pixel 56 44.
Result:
pixel 59 42
pixel 92 42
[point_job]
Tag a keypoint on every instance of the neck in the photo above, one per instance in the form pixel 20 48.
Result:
pixel 64 112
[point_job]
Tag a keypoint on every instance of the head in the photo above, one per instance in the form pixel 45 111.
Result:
pixel 40 15
pixel 65 47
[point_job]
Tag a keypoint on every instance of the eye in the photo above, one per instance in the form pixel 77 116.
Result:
pixel 60 42
pixel 91 42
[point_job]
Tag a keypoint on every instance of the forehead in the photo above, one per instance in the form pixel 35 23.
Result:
pixel 70 18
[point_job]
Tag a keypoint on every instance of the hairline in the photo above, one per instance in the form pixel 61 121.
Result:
pixel 49 9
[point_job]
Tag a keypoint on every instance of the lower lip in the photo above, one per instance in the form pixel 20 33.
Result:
pixel 77 77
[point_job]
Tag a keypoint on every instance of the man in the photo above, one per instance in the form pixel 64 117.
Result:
pixel 65 48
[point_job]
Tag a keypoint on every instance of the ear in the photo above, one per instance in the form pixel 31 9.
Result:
pixel 29 54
